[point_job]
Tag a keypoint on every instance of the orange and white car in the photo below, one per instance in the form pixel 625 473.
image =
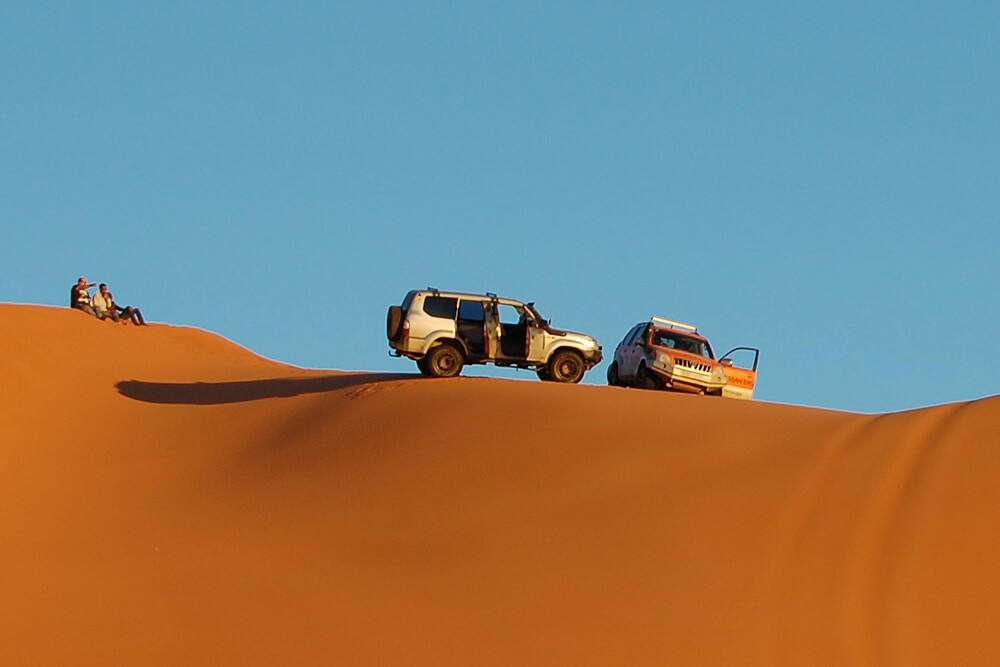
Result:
pixel 666 354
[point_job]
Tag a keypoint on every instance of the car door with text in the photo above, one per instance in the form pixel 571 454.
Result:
pixel 740 366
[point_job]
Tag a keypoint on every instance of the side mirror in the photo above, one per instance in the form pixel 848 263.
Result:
pixel 727 362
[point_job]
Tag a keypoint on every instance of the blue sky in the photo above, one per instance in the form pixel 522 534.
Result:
pixel 819 180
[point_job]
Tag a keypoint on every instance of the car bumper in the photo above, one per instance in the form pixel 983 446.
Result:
pixel 593 357
pixel 681 378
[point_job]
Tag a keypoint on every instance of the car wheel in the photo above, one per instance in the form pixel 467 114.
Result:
pixel 613 378
pixel 566 366
pixel 394 322
pixel 643 379
pixel 444 361
pixel 422 365
pixel 543 373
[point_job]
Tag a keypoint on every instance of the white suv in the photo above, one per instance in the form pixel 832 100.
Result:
pixel 443 331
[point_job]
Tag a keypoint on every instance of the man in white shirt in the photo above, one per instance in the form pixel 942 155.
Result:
pixel 104 304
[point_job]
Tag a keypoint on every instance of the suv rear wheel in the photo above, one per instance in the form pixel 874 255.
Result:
pixel 444 361
pixel 613 378
pixel 566 366
pixel 422 365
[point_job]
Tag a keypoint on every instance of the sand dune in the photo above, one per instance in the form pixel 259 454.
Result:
pixel 188 502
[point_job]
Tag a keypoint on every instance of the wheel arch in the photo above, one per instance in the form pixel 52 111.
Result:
pixel 568 348
pixel 446 339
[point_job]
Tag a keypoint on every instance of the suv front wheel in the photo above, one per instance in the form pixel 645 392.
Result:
pixel 566 366
pixel 443 361
pixel 644 379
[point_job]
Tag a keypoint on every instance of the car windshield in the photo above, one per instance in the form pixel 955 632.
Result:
pixel 682 343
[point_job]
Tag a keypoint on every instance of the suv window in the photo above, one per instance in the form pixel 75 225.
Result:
pixel 441 306
pixel 509 314
pixel 471 311
pixel 630 336
pixel 408 300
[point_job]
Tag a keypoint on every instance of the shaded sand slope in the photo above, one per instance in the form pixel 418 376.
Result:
pixel 230 509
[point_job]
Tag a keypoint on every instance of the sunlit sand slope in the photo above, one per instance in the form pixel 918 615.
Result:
pixel 184 501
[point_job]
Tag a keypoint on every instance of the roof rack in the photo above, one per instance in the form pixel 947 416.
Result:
pixel 674 324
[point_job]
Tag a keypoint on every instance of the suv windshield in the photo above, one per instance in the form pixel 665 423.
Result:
pixel 681 343
pixel 533 313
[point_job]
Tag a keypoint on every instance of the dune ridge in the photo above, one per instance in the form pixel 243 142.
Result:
pixel 233 509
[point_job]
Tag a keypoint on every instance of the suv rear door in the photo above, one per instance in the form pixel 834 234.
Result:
pixel 740 366
pixel 628 352
pixel 471 326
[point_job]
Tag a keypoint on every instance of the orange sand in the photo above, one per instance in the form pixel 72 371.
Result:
pixel 229 509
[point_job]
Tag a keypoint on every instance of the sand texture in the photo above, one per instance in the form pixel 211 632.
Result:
pixel 169 497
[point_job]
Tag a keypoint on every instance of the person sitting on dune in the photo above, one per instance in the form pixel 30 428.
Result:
pixel 130 313
pixel 105 306
pixel 79 297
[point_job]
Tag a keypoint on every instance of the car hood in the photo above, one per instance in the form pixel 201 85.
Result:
pixel 565 332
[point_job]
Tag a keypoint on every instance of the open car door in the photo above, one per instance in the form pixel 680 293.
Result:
pixel 740 366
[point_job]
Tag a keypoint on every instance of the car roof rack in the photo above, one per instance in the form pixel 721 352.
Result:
pixel 674 324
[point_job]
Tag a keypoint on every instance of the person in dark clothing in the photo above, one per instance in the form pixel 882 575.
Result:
pixel 129 313
pixel 104 302
pixel 79 297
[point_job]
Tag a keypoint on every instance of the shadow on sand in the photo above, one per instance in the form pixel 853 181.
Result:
pixel 215 393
